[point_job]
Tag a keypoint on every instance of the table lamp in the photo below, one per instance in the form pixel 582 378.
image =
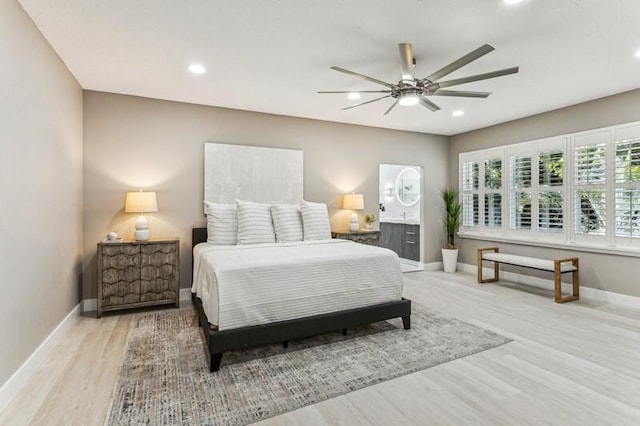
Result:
pixel 353 202
pixel 141 202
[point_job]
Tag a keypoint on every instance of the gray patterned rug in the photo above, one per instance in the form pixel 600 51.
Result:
pixel 165 379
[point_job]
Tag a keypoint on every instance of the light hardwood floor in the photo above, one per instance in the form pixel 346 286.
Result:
pixel 576 363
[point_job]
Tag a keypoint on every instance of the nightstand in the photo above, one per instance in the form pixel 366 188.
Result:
pixel 133 274
pixel 362 236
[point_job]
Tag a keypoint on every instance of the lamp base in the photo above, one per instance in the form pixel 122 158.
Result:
pixel 354 223
pixel 142 235
pixel 142 228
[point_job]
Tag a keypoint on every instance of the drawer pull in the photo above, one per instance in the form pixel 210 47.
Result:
pixel 410 242
pixel 411 233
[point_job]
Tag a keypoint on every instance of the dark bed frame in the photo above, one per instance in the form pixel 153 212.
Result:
pixel 282 331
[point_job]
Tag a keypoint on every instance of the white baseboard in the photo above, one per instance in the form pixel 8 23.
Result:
pixel 433 266
pixel 585 292
pixel 92 304
pixel 89 305
pixel 185 294
pixel 18 379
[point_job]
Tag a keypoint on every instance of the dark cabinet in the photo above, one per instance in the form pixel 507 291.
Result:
pixel 371 238
pixel 402 238
pixel 138 273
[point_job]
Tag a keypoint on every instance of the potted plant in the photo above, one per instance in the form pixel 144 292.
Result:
pixel 370 218
pixel 453 211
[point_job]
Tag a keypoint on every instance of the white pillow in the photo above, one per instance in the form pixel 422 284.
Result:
pixel 315 221
pixel 254 223
pixel 287 222
pixel 222 223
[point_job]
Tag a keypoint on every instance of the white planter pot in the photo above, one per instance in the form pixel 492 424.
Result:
pixel 449 260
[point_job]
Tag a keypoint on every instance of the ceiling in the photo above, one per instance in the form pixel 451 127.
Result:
pixel 272 56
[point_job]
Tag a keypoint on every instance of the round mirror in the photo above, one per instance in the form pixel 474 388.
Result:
pixel 408 187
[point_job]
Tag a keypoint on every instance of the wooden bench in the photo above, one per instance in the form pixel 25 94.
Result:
pixel 558 267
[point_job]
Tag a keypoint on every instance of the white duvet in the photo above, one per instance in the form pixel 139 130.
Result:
pixel 247 285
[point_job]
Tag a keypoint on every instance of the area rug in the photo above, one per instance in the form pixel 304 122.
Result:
pixel 165 379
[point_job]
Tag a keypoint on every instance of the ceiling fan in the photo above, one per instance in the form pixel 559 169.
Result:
pixel 411 91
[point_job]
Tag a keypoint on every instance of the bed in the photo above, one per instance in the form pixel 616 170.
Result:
pixel 243 299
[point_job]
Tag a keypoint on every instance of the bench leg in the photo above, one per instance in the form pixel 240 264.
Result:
pixel 496 267
pixel 575 279
pixel 557 280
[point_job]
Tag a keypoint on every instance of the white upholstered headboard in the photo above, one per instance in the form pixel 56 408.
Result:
pixel 252 173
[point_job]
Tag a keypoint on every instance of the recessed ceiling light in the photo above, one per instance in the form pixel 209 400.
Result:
pixel 638 54
pixel 512 1
pixel 458 113
pixel 353 96
pixel 197 69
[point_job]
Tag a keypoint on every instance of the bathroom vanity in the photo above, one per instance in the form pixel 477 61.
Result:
pixel 403 238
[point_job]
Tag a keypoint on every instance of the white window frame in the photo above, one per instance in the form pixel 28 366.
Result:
pixel 630 132
pixel 592 139
pixel 466 192
pixel 479 157
pixel 607 243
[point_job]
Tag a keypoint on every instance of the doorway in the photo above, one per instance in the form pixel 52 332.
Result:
pixel 400 210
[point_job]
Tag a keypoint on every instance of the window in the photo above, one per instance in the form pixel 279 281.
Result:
pixel 470 194
pixel 627 187
pixel 493 193
pixel 590 185
pixel 482 191
pixel 551 193
pixel 520 188
pixel 579 188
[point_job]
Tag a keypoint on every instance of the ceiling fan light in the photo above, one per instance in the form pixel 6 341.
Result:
pixel 409 99
pixel 353 96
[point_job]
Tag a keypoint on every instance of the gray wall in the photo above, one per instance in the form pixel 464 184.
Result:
pixel 132 142
pixel 606 272
pixel 40 187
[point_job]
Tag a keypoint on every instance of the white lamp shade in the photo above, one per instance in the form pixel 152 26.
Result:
pixel 141 202
pixel 353 202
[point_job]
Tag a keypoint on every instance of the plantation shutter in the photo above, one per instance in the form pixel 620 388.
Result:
pixel 493 193
pixel 550 196
pixel 627 184
pixel 520 203
pixel 470 194
pixel 590 167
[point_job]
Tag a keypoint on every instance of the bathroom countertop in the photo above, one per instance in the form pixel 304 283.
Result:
pixel 400 220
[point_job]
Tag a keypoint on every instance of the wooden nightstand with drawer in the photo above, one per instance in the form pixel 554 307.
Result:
pixel 134 274
pixel 362 236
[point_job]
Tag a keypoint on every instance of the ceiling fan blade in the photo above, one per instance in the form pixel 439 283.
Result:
pixel 477 77
pixel 364 103
pixel 355 91
pixel 428 104
pixel 460 93
pixel 366 77
pixel 469 57
pixel 406 60
pixel 393 105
